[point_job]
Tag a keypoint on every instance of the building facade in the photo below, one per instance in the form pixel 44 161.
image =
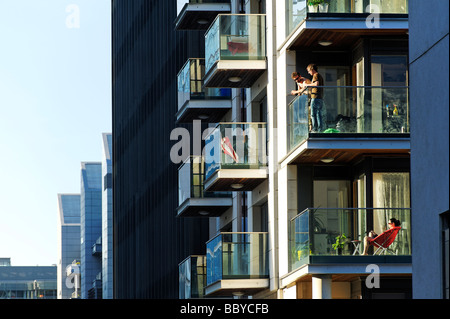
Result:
pixel 91 230
pixel 107 235
pixel 149 241
pixel 303 197
pixel 429 70
pixel 68 241
pixel 276 191
pixel 28 282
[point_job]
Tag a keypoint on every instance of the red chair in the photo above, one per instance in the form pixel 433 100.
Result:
pixel 237 44
pixel 384 240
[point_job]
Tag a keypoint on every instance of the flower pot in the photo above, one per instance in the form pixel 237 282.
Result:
pixel 323 7
pixel 312 8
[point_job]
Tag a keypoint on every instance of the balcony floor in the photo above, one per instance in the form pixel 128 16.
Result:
pixel 346 150
pixel 227 287
pixel 215 206
pixel 349 265
pixel 210 111
pixel 223 179
pixel 191 13
pixel 248 70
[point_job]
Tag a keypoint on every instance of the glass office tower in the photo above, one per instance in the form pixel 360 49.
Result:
pixel 107 236
pixel 149 240
pixel 68 239
pixel 91 229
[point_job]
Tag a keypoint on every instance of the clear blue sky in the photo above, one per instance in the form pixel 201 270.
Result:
pixel 55 103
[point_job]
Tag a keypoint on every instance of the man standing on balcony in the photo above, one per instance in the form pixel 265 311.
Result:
pixel 302 89
pixel 316 98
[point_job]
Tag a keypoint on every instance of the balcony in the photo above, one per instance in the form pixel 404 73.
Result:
pixel 357 120
pixel 97 247
pixel 235 50
pixel 313 232
pixel 192 277
pixel 194 201
pixel 235 157
pixel 237 263
pixel 341 22
pixel 196 102
pixel 198 14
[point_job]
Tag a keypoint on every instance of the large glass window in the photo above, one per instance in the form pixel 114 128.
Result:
pixel 331 193
pixel 392 190
pixel 389 70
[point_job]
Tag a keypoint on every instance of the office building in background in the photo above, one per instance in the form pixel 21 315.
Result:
pixel 68 241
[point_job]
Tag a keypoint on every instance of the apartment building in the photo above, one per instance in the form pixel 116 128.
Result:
pixel 278 195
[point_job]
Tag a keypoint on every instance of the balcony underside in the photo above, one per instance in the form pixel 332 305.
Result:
pixel 346 151
pixel 198 207
pixel 200 16
pixel 349 266
pixel 228 287
pixel 342 33
pixel 223 179
pixel 211 111
pixel 247 70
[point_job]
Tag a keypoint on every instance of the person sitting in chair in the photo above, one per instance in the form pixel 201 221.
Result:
pixel 372 235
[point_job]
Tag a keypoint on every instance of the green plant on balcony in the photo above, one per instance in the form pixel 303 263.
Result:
pixel 340 243
pixel 315 2
pixel 322 5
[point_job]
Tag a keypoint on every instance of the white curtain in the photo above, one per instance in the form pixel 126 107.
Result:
pixel 390 191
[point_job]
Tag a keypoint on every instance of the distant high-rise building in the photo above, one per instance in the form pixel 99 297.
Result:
pixel 91 230
pixel 28 282
pixel 5 261
pixel 68 240
pixel 107 234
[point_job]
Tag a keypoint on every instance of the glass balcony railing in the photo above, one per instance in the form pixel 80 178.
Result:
pixel 236 146
pixel 351 110
pixel 190 180
pixel 297 9
pixel 237 256
pixel 235 37
pixel 314 232
pixel 190 84
pixel 192 277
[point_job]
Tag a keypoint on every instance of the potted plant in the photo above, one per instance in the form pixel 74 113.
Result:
pixel 313 5
pixel 339 244
pixel 323 6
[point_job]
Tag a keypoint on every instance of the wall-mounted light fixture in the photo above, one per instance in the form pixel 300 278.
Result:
pixel 325 43
pixel 234 79
pixel 327 159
